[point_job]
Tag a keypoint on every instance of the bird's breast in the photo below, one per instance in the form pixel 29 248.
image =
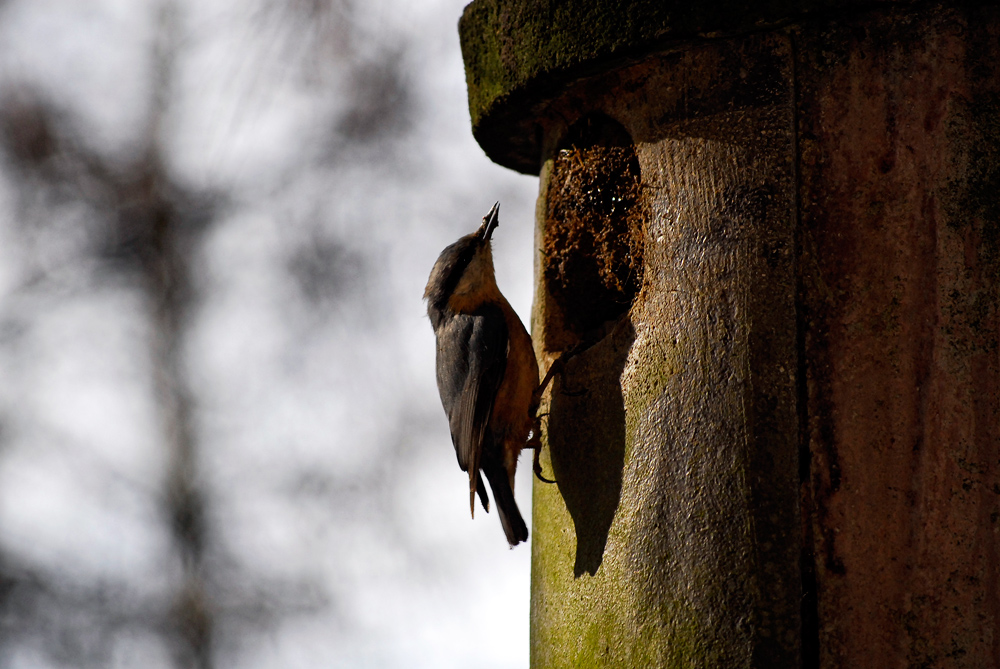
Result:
pixel 511 409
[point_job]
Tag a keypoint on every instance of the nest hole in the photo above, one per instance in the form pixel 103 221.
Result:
pixel 595 225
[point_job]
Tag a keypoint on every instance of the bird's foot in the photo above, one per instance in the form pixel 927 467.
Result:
pixel 535 444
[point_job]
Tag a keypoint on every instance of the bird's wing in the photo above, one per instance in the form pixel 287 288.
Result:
pixel 472 357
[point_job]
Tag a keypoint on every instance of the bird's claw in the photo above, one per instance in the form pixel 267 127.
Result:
pixel 535 444
pixel 536 466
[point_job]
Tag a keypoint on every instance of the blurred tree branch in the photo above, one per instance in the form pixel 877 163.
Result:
pixel 151 226
pixel 148 227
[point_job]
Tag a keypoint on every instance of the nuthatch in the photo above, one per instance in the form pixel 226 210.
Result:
pixel 487 373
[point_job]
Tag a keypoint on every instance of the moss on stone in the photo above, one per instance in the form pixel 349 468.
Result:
pixel 596 225
pixel 519 53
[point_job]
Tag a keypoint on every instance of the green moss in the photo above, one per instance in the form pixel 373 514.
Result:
pixel 662 364
pixel 519 53
pixel 627 613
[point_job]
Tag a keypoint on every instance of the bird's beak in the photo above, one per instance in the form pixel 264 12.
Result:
pixel 490 222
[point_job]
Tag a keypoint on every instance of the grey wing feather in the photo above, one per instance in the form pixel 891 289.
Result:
pixel 472 357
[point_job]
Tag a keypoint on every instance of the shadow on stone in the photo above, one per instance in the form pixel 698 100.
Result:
pixel 587 441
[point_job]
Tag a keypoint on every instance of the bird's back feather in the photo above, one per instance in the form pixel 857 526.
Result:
pixel 472 357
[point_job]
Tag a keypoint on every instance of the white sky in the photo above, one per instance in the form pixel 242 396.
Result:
pixel 324 449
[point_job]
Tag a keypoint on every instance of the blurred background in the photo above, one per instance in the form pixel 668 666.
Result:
pixel 221 443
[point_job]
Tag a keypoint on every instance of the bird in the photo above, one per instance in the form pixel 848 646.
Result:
pixel 487 373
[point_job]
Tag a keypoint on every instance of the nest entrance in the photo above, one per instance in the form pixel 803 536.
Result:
pixel 595 225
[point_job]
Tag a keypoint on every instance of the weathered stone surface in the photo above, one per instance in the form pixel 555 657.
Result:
pixel 900 174
pixel 671 538
pixel 784 451
pixel 521 54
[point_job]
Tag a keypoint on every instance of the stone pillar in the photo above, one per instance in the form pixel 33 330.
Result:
pixel 781 227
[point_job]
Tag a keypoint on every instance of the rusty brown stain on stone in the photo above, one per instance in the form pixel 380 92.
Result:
pixel 902 369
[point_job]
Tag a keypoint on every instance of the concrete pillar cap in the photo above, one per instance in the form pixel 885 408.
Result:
pixel 519 54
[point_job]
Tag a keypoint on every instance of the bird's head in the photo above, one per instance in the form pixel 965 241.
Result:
pixel 462 277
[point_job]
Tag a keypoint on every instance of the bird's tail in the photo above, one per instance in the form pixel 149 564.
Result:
pixel 503 497
pixel 476 485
